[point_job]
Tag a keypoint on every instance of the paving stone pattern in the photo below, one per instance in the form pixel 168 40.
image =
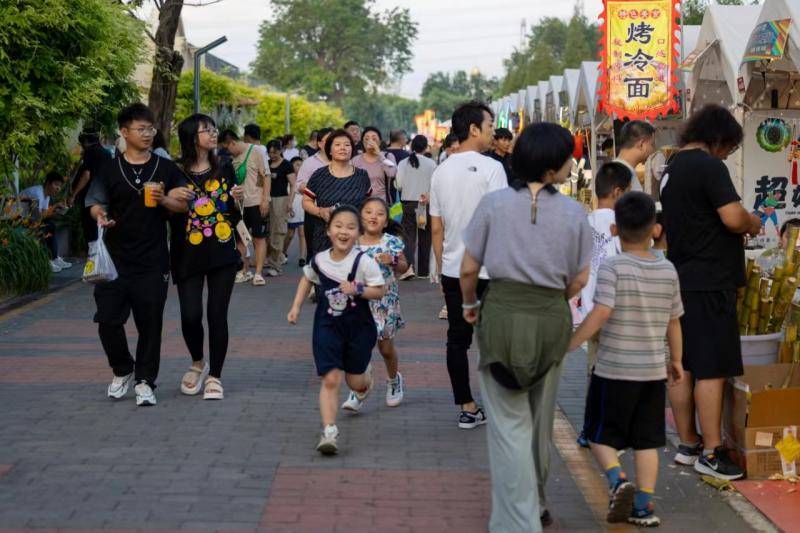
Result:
pixel 71 458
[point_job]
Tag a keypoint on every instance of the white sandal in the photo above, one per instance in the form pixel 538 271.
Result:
pixel 213 389
pixel 194 373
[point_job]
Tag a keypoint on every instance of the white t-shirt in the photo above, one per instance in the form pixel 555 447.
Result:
pixel 37 193
pixel 635 185
pixel 368 273
pixel 291 153
pixel 457 186
pixel 605 246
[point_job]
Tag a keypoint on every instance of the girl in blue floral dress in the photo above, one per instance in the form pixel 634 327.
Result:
pixel 381 241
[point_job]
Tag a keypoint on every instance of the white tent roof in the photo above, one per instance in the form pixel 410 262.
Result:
pixel 542 95
pixel 554 87
pixel 530 97
pixel 570 85
pixel 587 87
pixel 784 9
pixel 729 27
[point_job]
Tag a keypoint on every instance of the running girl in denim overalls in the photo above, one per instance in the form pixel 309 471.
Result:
pixel 344 330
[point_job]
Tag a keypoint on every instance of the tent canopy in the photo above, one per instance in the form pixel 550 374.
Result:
pixel 586 96
pixel 569 87
pixel 542 98
pixel 721 45
pixel 553 97
pixel 785 9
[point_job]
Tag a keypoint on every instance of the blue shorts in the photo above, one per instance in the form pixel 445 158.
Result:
pixel 343 343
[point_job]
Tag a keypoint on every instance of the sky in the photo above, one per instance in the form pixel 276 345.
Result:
pixel 452 34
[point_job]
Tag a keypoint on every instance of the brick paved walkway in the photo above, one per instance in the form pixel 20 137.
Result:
pixel 70 458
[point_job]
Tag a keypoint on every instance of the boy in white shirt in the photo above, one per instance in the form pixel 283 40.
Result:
pixel 612 181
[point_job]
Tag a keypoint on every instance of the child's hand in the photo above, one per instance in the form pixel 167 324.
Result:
pixel 384 259
pixel 674 373
pixel 471 316
pixel 294 314
pixel 348 288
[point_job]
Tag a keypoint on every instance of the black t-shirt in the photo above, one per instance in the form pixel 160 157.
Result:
pixel 202 239
pixel 398 153
pixel 138 240
pixel 309 151
pixel 707 256
pixel 95 158
pixel 505 160
pixel 280 179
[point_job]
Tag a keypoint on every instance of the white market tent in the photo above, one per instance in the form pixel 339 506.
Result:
pixel 569 92
pixel 552 101
pixel 522 110
pixel 539 104
pixel 721 45
pixel 530 102
pixel 584 109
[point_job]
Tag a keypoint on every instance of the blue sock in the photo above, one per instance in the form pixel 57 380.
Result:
pixel 614 474
pixel 642 499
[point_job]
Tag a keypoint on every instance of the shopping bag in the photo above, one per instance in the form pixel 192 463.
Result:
pixel 99 267
pixel 421 213
pixel 396 212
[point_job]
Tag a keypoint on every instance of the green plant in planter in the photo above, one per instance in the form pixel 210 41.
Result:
pixel 24 261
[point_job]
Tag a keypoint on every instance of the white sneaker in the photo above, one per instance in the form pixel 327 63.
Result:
pixel 284 259
pixel 54 268
pixel 63 264
pixel 273 273
pixel 144 395
pixel 119 386
pixel 394 391
pixel 327 442
pixel 355 400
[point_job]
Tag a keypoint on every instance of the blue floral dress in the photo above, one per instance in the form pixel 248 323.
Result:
pixel 386 311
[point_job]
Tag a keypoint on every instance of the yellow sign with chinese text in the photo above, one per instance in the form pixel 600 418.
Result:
pixel 639 58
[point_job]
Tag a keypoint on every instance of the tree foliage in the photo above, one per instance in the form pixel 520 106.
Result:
pixel 384 111
pixel 233 104
pixel 61 61
pixel 694 10
pixel 552 46
pixel 333 48
pixel 443 92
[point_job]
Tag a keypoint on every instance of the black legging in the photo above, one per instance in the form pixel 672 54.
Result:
pixel 190 293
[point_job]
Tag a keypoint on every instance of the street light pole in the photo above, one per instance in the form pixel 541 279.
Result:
pixel 287 110
pixel 199 52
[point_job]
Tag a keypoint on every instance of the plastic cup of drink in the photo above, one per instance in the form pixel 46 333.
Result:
pixel 149 187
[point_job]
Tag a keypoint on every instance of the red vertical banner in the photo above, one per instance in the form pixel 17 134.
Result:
pixel 638 58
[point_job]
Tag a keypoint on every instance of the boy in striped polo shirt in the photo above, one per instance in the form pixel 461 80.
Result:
pixel 637 305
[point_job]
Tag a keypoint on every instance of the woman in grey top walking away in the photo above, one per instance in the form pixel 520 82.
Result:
pixel 536 245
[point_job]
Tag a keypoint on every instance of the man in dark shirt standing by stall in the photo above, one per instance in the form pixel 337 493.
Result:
pixel 94 158
pixel 136 237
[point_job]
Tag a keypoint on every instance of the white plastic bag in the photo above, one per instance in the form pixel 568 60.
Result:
pixel 99 266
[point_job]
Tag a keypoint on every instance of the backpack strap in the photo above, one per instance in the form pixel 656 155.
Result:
pixel 314 265
pixel 352 276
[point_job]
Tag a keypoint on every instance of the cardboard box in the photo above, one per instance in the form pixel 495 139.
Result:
pixel 755 412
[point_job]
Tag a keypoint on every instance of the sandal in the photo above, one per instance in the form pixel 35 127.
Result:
pixel 213 389
pixel 193 380
pixel 258 280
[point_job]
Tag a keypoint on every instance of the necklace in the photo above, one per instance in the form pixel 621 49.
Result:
pixel 137 175
pixel 201 172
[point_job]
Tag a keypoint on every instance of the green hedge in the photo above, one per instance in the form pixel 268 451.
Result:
pixel 24 261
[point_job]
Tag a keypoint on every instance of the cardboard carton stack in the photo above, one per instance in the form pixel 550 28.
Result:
pixel 761 419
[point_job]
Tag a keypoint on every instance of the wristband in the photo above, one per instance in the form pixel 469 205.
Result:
pixel 469 307
pixel 360 287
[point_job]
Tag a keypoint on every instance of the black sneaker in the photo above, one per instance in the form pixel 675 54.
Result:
pixel 545 517
pixel 301 262
pixel 619 508
pixel 718 465
pixel 582 441
pixel 467 420
pixel 688 455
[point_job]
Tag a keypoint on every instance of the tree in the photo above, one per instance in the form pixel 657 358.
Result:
pixel 552 46
pixel 60 60
pixel 443 92
pixel 333 48
pixel 695 9
pixel 167 64
pixel 384 111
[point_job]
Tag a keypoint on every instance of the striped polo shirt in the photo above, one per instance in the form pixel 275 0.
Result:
pixel 644 295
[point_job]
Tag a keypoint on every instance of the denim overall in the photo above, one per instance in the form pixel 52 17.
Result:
pixel 344 330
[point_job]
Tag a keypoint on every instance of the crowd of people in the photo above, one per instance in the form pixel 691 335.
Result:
pixel 653 284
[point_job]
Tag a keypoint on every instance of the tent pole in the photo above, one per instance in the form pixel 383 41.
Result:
pixel 683 79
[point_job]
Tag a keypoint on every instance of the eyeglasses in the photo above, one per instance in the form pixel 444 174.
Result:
pixel 144 132
pixel 212 132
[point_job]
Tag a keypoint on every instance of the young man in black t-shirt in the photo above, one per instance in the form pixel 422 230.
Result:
pixel 94 158
pixel 282 188
pixel 501 151
pixel 136 237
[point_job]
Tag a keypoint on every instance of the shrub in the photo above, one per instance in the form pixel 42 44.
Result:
pixel 24 261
